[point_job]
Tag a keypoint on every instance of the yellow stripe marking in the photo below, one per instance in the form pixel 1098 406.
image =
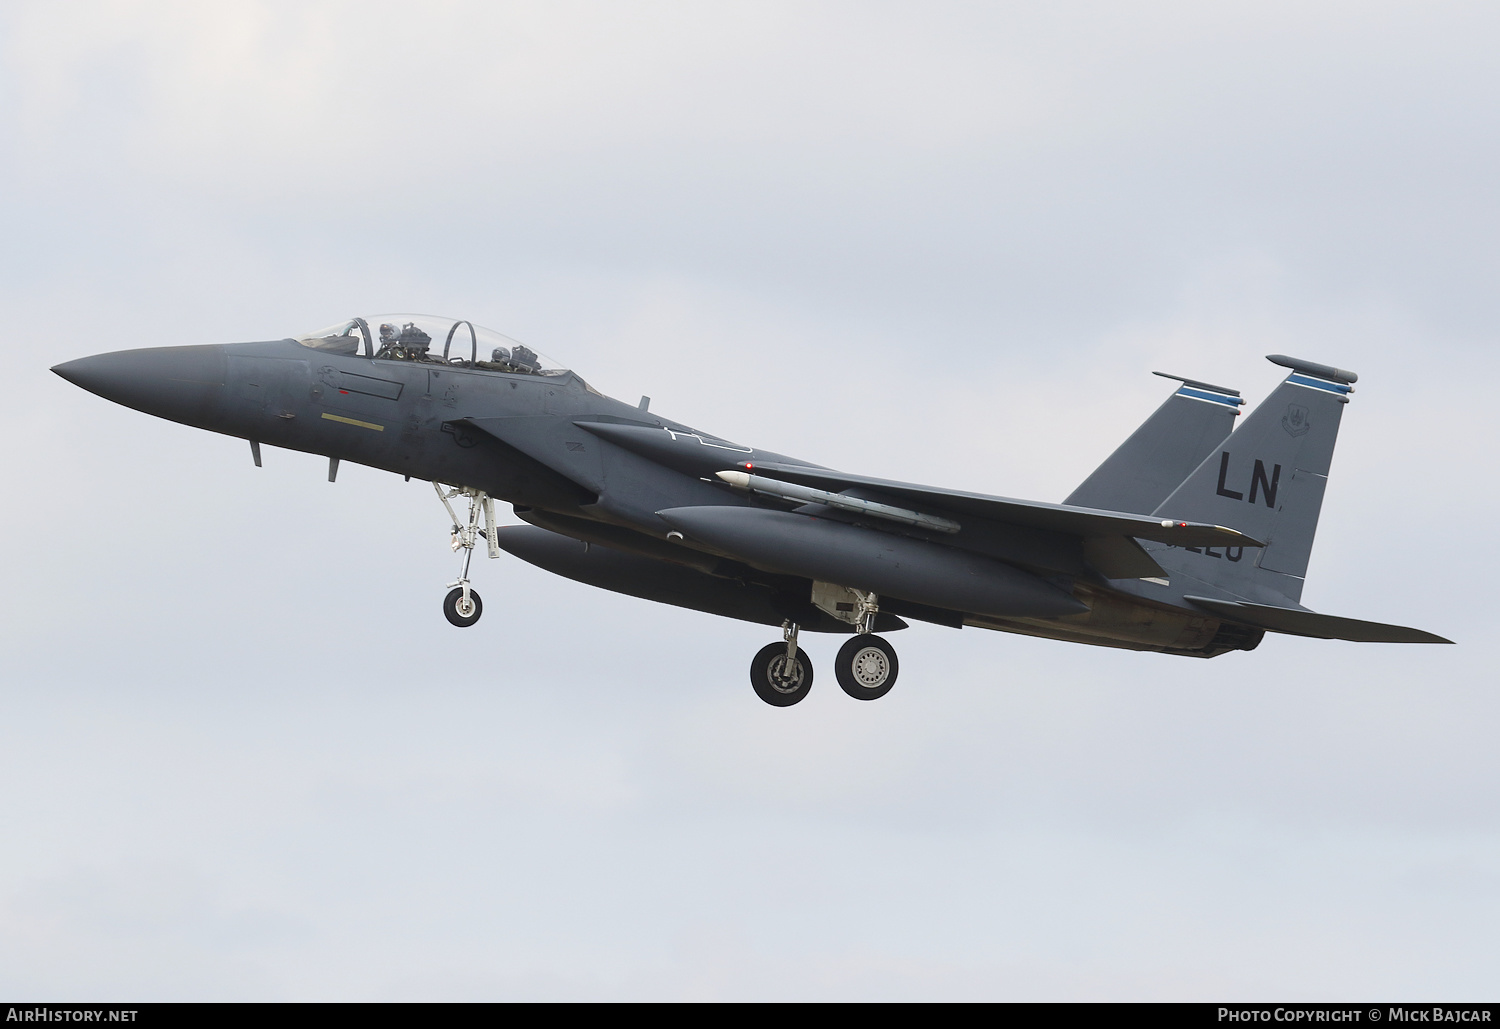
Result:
pixel 353 421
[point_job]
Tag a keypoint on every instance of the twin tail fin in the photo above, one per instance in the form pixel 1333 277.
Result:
pixel 1267 480
pixel 1145 469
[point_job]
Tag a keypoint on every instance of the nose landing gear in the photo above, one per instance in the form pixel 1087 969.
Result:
pixel 462 606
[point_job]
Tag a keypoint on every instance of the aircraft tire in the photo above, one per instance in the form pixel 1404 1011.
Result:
pixel 866 667
pixel 451 605
pixel 771 685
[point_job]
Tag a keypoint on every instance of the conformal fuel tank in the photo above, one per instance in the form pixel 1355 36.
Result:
pixel 666 583
pixel 890 565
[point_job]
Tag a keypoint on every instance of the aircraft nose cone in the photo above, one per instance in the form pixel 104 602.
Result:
pixel 181 383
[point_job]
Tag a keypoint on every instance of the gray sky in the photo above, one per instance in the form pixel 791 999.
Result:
pixel 243 756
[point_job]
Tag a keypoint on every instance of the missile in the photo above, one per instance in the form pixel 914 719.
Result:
pixel 865 559
pixel 808 495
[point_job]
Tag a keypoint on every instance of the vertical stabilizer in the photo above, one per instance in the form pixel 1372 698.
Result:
pixel 1148 466
pixel 1267 481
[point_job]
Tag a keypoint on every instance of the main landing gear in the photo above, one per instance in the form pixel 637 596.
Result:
pixel 866 665
pixel 462 606
pixel 781 673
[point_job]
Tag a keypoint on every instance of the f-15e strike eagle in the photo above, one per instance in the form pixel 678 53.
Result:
pixel 1190 539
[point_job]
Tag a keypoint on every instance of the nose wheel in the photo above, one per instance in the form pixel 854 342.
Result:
pixel 462 607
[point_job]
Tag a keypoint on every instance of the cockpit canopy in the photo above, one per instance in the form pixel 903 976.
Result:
pixel 430 339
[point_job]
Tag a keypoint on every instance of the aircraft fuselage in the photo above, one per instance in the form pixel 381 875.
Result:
pixel 621 498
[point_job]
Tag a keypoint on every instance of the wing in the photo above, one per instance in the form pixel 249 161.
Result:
pixel 1060 518
pixel 1054 537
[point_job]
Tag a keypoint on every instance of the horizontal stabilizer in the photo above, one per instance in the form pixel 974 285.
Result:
pixel 1072 521
pixel 1309 623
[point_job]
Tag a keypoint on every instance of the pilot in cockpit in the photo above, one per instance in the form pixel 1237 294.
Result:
pixel 408 344
pixel 519 358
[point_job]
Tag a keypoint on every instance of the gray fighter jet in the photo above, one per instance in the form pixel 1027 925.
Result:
pixel 1190 539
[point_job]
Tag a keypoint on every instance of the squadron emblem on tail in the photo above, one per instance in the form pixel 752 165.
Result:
pixel 1295 420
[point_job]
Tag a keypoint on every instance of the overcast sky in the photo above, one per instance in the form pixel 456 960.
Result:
pixel 242 755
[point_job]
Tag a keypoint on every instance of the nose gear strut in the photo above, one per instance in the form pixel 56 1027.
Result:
pixel 462 606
